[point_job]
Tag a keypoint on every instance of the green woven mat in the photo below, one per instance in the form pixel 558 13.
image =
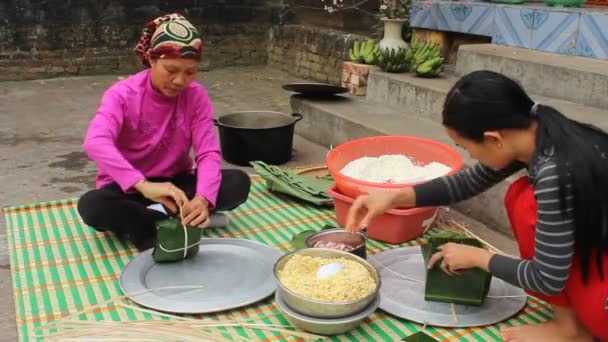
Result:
pixel 60 266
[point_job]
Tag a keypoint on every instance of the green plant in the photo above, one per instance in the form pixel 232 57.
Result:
pixel 365 52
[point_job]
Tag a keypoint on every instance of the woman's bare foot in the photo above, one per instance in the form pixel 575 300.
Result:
pixel 563 327
pixel 543 332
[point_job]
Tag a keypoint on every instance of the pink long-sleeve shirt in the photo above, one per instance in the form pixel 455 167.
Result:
pixel 138 133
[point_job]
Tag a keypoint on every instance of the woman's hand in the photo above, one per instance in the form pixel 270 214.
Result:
pixel 166 193
pixel 196 212
pixel 457 257
pixel 367 207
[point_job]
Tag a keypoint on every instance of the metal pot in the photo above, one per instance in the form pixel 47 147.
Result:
pixel 320 309
pixel 257 135
pixel 357 240
pixel 325 326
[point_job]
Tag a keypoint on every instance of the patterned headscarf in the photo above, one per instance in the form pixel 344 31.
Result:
pixel 169 36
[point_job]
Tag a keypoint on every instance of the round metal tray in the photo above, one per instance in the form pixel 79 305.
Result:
pixel 225 274
pixel 404 298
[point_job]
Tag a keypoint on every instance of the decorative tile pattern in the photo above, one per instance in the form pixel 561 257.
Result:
pixel 460 11
pixel 513 26
pixel 448 16
pixel 567 31
pixel 593 36
pixel 420 14
pixel 555 31
pixel 479 20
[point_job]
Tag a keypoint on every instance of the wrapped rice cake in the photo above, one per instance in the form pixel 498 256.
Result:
pixel 174 241
pixel 469 288
pixel 419 337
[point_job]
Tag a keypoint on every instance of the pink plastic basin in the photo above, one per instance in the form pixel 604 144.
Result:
pixel 395 227
pixel 420 150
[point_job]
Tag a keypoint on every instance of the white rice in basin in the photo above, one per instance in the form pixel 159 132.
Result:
pixel 393 169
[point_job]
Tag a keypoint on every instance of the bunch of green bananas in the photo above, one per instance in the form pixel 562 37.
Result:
pixel 425 59
pixel 365 52
pixel 391 60
pixel 430 68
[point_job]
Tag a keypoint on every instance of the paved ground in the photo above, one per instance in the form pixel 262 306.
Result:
pixel 41 128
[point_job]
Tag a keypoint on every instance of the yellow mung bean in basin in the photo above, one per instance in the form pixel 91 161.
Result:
pixel 351 283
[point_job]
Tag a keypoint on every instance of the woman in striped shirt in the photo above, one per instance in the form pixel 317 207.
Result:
pixel 559 211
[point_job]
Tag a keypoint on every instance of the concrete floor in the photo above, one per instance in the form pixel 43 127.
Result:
pixel 42 124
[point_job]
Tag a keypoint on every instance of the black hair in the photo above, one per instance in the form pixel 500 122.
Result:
pixel 485 101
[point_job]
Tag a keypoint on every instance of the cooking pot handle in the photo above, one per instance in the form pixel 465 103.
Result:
pixel 297 117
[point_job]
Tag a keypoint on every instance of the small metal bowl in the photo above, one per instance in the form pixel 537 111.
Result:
pixel 317 308
pixel 325 326
pixel 356 240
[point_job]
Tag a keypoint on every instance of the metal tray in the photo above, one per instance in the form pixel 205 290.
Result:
pixel 225 274
pixel 315 89
pixel 405 298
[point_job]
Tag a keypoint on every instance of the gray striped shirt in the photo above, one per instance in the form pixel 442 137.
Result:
pixel 554 244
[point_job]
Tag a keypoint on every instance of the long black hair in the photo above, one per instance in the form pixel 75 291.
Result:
pixel 486 101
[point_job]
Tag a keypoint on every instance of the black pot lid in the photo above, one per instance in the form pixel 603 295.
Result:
pixel 315 89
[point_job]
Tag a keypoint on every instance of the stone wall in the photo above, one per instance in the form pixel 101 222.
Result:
pixel 48 38
pixel 311 53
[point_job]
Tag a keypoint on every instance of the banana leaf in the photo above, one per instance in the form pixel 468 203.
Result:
pixel 299 240
pixel 309 189
pixel 469 288
pixel 419 337
pixel 174 241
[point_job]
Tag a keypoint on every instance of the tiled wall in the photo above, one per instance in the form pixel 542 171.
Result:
pixel 576 31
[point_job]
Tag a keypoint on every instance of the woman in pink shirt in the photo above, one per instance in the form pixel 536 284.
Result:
pixel 141 137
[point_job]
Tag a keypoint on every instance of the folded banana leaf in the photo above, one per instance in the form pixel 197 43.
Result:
pixel 419 337
pixel 174 241
pixel 469 288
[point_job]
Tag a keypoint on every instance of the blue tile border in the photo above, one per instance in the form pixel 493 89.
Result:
pixel 446 16
pixel 568 31
pixel 480 20
pixel 555 32
pixel 420 15
pixel 513 27
pixel 593 36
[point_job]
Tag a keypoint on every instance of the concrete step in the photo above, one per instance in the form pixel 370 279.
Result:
pixel 333 121
pixel 424 97
pixel 330 122
pixel 577 79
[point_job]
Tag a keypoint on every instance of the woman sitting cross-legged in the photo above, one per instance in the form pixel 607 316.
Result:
pixel 141 137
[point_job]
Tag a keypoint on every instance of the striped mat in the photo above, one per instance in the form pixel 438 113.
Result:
pixel 60 266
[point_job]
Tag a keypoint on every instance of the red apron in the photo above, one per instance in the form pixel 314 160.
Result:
pixel 587 301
